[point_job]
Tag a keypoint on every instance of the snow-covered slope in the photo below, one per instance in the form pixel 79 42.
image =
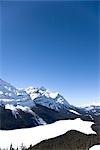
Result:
pixel 7 91
pixel 12 96
pixel 96 147
pixel 47 98
pixel 37 134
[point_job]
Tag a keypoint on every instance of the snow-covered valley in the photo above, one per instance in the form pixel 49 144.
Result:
pixel 35 135
pixel 96 147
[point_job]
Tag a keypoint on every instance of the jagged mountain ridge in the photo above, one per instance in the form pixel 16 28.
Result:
pixel 10 95
pixel 35 106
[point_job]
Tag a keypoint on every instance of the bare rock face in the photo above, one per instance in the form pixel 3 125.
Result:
pixel 96 126
pixel 72 140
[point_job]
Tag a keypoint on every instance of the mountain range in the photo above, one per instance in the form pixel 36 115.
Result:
pixel 30 107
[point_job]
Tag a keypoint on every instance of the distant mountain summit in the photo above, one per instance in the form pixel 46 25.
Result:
pixel 21 108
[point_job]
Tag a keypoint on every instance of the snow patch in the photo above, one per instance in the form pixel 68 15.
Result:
pixel 73 111
pixel 1 92
pixel 53 95
pixel 13 109
pixel 96 147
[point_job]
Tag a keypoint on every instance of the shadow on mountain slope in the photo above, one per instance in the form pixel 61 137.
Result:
pixel 50 115
pixel 72 140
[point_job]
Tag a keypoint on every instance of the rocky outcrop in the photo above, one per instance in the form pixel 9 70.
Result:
pixel 96 125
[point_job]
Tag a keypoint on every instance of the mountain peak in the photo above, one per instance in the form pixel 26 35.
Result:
pixel 10 94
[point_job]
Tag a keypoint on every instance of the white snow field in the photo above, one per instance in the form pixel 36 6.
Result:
pixel 96 147
pixel 36 134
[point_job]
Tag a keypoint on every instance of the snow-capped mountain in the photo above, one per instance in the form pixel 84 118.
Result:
pixel 18 107
pixel 47 98
pixel 12 96
pixel 30 107
pixel 26 97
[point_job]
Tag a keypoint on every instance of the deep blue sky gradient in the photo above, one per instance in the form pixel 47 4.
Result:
pixel 52 44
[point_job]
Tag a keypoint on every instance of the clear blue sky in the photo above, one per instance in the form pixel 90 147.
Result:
pixel 52 44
